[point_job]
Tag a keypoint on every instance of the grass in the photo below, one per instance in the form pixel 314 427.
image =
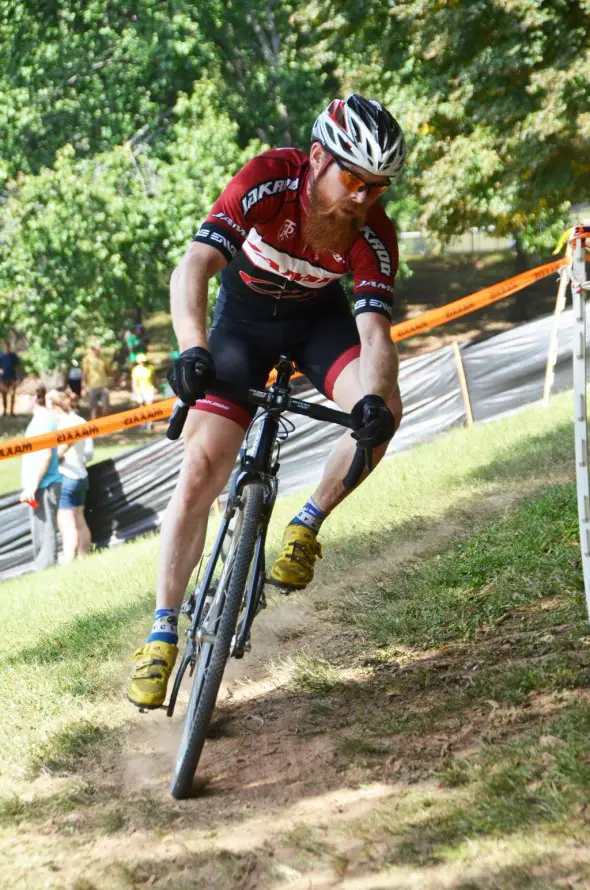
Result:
pixel 458 681
pixel 64 668
pixel 514 562
pixel 312 674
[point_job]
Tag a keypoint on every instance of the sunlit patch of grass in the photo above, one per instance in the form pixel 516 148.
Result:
pixel 66 750
pixel 311 674
pixel 306 839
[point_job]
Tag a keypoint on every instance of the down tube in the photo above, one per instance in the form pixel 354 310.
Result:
pixel 211 563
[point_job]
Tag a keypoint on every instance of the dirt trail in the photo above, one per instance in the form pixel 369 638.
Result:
pixel 270 763
pixel 287 626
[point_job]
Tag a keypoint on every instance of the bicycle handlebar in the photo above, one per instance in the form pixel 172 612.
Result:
pixel 177 420
pixel 263 398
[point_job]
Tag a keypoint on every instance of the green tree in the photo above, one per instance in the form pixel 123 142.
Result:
pixel 79 249
pixel 504 133
pixel 202 156
pixel 92 74
pixel 89 240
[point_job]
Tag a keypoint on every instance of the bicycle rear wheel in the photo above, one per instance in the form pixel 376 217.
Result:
pixel 213 656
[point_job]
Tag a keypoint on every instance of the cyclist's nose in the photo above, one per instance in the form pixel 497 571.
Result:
pixel 360 196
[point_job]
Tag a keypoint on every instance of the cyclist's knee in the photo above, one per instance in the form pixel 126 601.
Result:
pixel 202 475
pixel 206 468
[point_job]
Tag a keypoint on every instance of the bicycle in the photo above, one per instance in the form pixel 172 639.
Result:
pixel 221 611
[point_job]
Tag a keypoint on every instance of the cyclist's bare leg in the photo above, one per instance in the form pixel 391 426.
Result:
pixel 347 392
pixel 211 445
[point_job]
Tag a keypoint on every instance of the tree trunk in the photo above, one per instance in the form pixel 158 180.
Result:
pixel 521 309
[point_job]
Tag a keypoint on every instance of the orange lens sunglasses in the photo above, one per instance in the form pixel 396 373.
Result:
pixel 354 183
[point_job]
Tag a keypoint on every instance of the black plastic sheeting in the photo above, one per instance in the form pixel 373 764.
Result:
pixel 128 494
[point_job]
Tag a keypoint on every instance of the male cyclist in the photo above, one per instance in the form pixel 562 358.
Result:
pixel 283 232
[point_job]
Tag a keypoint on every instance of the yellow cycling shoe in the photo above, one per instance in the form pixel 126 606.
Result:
pixel 147 685
pixel 293 570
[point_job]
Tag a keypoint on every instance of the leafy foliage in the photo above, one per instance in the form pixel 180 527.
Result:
pixel 120 124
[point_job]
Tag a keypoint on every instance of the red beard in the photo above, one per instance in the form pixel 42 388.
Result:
pixel 325 229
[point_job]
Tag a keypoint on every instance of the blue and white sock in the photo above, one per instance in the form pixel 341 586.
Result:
pixel 310 515
pixel 165 627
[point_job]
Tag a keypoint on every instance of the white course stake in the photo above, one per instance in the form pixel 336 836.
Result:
pixel 554 338
pixel 580 285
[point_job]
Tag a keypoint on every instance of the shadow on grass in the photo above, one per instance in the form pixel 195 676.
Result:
pixel 538 780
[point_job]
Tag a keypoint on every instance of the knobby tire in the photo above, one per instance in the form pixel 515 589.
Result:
pixel 200 707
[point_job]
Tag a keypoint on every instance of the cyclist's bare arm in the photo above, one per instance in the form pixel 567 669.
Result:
pixel 379 359
pixel 189 291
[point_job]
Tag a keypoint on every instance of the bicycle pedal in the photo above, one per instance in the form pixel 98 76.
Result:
pixel 280 588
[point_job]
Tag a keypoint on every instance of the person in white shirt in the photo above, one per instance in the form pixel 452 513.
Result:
pixel 74 530
pixel 41 484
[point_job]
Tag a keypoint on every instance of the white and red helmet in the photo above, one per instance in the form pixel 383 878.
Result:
pixel 362 132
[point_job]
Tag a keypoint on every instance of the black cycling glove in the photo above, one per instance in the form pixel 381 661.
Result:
pixel 374 422
pixel 191 374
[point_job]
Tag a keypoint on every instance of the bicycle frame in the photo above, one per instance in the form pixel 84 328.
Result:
pixel 256 466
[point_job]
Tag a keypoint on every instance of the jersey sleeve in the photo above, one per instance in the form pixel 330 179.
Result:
pixel 252 196
pixel 374 265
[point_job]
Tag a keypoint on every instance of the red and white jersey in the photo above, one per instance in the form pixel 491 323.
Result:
pixel 257 224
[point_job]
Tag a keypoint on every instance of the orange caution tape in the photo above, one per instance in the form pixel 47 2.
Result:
pixel 435 317
pixel 101 427
pixel 162 410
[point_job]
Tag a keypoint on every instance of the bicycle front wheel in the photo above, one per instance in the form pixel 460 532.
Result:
pixel 213 657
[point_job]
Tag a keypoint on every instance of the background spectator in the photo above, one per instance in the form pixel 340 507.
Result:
pixel 143 384
pixel 41 485
pixel 134 343
pixel 74 378
pixel 95 380
pixel 9 364
pixel 75 533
